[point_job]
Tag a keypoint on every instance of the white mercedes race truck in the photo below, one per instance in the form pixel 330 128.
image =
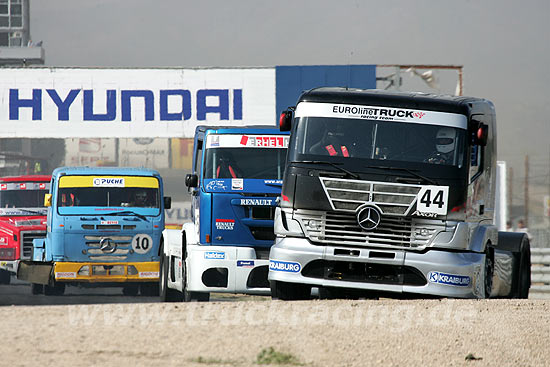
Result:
pixel 393 194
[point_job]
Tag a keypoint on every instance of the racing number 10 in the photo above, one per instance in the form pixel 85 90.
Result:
pixel 142 243
pixel 433 199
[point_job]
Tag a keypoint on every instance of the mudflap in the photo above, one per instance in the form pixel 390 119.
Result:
pixel 35 272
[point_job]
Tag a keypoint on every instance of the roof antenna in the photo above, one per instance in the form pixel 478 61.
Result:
pixel 349 70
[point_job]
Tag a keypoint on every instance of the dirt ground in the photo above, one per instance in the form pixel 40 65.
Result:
pixel 317 333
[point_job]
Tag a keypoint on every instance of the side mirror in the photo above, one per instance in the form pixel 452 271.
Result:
pixel 167 202
pixel 48 200
pixel 285 121
pixel 191 180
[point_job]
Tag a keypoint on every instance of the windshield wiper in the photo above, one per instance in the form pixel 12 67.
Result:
pixel 128 212
pixel 335 165
pixel 413 173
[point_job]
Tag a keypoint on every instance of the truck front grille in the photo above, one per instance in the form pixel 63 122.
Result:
pixel 26 242
pixel 343 229
pixel 391 198
pixel 123 246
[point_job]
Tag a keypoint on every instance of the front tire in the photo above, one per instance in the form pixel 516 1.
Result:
pixel 489 271
pixel 130 290
pixel 37 288
pixel 167 294
pixel 57 289
pixel 5 277
pixel 290 291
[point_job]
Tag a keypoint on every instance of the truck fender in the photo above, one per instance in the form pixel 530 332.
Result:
pixel 188 230
pixel 39 248
pixel 172 242
pixel 483 234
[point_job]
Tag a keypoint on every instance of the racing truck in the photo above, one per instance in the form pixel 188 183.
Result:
pixel 104 228
pixel 237 177
pixel 394 194
pixel 22 219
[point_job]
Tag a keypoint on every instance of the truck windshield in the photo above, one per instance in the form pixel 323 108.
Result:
pixel 120 191
pixel 137 197
pixel 22 198
pixel 261 163
pixel 379 140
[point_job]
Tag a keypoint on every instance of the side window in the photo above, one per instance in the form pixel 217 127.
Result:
pixel 475 161
pixel 198 158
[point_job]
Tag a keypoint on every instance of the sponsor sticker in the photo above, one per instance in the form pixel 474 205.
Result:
pixel 246 141
pixel 3 186
pixel 214 255
pixel 65 274
pixel 379 113
pixel 216 185
pixel 3 240
pixel 245 263
pixel 23 186
pixel 109 222
pixel 273 182
pixel 285 266
pixel 257 202
pixel 148 274
pixel 42 186
pixel 237 184
pixel 225 224
pixel 108 182
pixel 449 279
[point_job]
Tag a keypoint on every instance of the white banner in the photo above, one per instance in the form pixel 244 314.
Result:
pixel 380 113
pixel 247 141
pixel 133 103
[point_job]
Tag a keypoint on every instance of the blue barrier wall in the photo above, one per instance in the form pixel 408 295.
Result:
pixel 292 80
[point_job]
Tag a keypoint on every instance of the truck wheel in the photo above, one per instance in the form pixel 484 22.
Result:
pixel 37 288
pixel 58 289
pixel 524 270
pixel 489 270
pixel 290 291
pixel 167 294
pixel 5 276
pixel 149 289
pixel 130 290
pixel 196 296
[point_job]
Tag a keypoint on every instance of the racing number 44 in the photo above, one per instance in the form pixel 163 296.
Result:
pixel 433 199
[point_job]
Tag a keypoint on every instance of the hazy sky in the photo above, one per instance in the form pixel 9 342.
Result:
pixel 504 45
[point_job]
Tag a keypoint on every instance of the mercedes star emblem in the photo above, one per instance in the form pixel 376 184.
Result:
pixel 368 217
pixel 107 245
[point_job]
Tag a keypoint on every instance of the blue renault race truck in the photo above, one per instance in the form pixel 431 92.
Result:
pixel 236 180
pixel 104 228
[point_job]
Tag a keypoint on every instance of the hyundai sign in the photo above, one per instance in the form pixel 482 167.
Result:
pixel 163 103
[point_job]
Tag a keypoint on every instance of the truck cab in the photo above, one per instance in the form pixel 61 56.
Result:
pixel 104 229
pixel 22 219
pixel 392 193
pixel 236 180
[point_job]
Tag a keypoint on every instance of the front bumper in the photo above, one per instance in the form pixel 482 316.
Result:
pixel 226 269
pixel 9 265
pixel 88 272
pixel 438 272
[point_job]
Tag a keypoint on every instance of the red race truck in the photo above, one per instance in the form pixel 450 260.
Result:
pixel 22 219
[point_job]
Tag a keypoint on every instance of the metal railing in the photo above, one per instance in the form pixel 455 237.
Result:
pixel 540 273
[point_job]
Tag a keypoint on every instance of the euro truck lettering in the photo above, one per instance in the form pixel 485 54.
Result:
pixel 226 103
